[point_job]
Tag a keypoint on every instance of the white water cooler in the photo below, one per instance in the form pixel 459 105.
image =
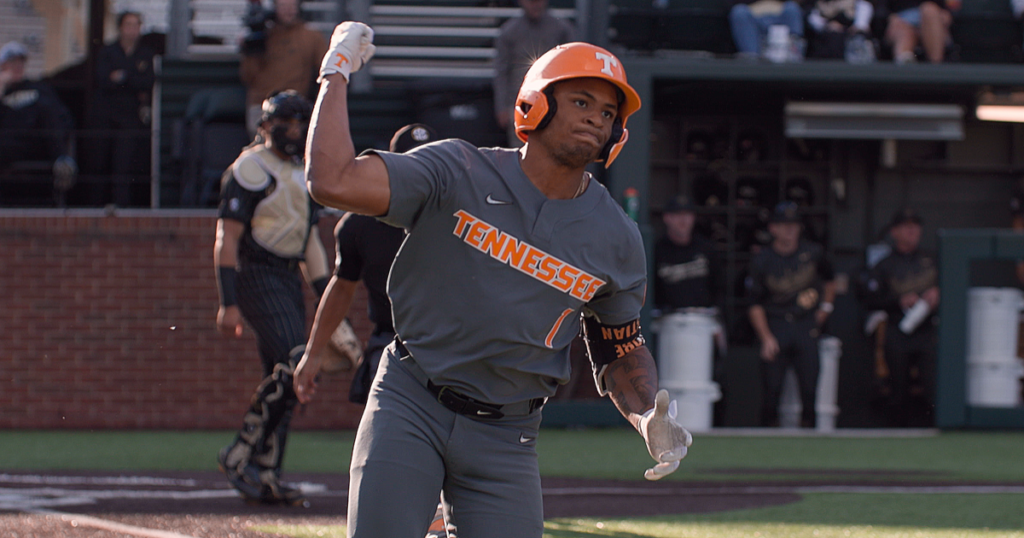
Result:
pixel 685 364
pixel 993 368
pixel 829 350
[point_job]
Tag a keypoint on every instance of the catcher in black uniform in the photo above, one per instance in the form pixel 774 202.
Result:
pixel 267 233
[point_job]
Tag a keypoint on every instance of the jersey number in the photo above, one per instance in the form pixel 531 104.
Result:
pixel 554 330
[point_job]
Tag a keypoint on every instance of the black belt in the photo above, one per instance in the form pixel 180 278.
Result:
pixel 459 403
pixel 271 260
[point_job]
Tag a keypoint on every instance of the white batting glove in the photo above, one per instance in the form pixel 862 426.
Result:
pixel 351 47
pixel 666 439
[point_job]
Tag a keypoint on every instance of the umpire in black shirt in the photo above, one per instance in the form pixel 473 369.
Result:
pixel 792 292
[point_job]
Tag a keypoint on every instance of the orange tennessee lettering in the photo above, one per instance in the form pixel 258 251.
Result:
pixel 525 258
pixel 566 277
pixel 493 241
pixel 580 289
pixel 513 252
pixel 595 284
pixel 547 269
pixel 341 59
pixel 530 260
pixel 464 219
pixel 476 233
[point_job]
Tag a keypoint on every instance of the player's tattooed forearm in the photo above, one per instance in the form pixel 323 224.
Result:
pixel 632 381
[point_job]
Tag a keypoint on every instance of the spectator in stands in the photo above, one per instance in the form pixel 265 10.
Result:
pixel 913 22
pixel 522 40
pixel 750 21
pixel 124 85
pixel 34 124
pixel 288 58
pixel 839 25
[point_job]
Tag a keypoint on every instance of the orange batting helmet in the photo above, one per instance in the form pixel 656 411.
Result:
pixel 535 106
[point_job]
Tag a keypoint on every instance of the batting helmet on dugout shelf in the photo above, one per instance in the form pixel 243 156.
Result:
pixel 535 106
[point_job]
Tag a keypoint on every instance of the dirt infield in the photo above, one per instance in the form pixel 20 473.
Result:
pixel 201 505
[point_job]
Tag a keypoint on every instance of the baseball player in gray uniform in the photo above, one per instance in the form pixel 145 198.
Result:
pixel 506 251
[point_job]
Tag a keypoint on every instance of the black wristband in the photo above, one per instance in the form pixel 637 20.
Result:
pixel 226 285
pixel 320 286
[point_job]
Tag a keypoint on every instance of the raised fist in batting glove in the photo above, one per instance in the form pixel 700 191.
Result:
pixel 351 47
pixel 666 439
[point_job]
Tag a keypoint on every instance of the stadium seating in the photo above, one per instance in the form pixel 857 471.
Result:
pixel 985 31
pixel 210 136
pixel 693 25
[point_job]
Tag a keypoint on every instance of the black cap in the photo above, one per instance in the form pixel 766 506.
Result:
pixel 679 204
pixel 904 216
pixel 785 212
pixel 411 136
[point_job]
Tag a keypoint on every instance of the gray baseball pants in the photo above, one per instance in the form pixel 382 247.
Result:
pixel 409 446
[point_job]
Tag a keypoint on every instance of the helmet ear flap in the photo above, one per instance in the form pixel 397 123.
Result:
pixel 613 139
pixel 549 97
pixel 531 109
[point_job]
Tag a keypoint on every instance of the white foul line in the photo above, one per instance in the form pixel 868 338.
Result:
pixel 96 480
pixel 94 522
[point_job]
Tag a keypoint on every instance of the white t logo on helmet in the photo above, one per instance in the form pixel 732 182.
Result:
pixel 609 61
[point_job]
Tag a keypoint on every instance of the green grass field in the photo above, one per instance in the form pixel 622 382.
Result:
pixel 953 456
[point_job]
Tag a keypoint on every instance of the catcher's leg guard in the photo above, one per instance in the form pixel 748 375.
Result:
pixel 252 462
pixel 277 493
pixel 233 461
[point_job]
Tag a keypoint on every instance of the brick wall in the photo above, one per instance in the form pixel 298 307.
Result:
pixel 107 322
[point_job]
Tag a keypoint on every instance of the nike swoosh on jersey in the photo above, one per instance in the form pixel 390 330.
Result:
pixel 524 439
pixel 483 413
pixel 494 201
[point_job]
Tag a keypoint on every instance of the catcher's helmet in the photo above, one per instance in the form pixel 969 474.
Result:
pixel 287 104
pixel 535 106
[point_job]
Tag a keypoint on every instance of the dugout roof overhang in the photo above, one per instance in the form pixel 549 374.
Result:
pixel 686 85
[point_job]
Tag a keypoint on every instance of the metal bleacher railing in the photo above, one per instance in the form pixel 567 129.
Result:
pixel 414 39
pixel 439 41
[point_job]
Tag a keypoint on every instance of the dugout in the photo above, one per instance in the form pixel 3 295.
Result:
pixel 861 140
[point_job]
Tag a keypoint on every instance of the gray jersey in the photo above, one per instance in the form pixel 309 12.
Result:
pixel 488 287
